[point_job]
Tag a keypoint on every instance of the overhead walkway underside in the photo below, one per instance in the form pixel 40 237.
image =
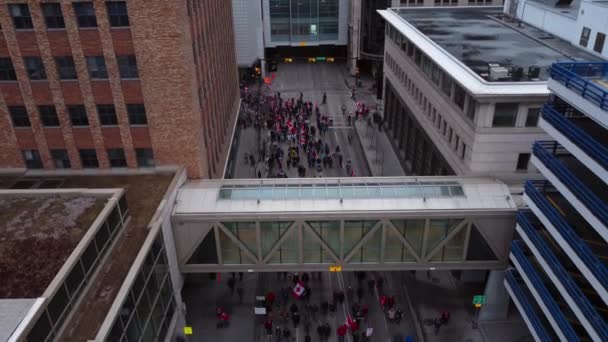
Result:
pixel 356 223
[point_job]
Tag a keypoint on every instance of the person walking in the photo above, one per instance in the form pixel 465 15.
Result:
pixel 231 283
pixel 239 292
pixel 324 98
pixel 341 331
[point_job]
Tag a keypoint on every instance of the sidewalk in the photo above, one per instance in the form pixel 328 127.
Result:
pixel 381 157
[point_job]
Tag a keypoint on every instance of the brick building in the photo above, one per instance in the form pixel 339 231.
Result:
pixel 126 84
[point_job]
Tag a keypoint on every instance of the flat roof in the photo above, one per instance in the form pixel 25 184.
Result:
pixel 477 36
pixel 38 232
pixel 144 192
pixel 361 195
pixel 12 313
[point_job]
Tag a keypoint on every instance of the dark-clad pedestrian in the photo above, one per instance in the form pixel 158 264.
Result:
pixel 239 292
pixel 231 283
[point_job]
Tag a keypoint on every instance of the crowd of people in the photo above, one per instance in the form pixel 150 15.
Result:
pixel 292 134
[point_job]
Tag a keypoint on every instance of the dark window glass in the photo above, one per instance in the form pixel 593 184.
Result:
pixel 53 16
pixel 117 13
pixel 107 114
pixel 34 68
pixel 66 68
pixel 585 36
pixel 32 159
pixel 61 160
pixel 137 114
pixel 19 116
pixel 532 118
pixel 599 42
pixel 97 67
pixel 41 330
pixel 58 305
pixel 7 71
pixel 127 65
pixel 85 14
pixel 21 16
pixel 145 157
pixel 88 158
pixel 522 161
pixel 117 157
pixel 48 116
pixel 78 115
pixel 505 115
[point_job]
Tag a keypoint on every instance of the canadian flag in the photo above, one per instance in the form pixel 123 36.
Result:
pixel 351 323
pixel 298 290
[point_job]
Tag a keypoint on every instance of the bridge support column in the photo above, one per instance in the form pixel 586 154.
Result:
pixel 497 298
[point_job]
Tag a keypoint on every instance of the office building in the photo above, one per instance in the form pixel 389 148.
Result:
pixel 117 84
pixel 559 279
pixel 248 34
pixel 464 88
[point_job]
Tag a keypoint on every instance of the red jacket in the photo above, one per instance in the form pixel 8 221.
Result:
pixel 342 330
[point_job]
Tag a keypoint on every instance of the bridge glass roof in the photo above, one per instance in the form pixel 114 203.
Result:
pixel 338 191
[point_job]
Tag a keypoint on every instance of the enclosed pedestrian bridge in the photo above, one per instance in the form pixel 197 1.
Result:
pixel 356 223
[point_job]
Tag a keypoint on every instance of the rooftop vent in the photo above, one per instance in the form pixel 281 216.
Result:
pixel 563 3
pixel 498 72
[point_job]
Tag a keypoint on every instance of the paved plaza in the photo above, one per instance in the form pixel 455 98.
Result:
pixel 369 153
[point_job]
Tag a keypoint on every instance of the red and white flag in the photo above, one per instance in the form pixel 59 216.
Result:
pixel 298 290
pixel 351 323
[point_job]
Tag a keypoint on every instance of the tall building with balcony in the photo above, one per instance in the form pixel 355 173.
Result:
pixel 464 88
pixel 559 279
pixel 117 84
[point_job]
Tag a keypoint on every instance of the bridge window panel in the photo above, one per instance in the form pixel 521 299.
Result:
pixel 288 252
pixel 370 250
pixel 206 252
pixel 245 232
pixel 452 251
pixel 231 253
pixel 479 250
pixel 354 231
pixel 438 230
pixel 313 251
pixel 394 250
pixel 412 231
pixel 408 190
pixel 306 191
pixel 330 233
pixel 271 232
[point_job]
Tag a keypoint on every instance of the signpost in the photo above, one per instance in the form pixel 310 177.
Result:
pixel 478 301
pixel 187 331
pixel 335 268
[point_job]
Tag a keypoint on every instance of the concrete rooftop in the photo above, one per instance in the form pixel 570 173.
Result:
pixel 479 35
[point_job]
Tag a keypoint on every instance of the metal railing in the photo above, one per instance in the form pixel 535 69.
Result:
pixel 576 294
pixel 567 233
pixel 578 76
pixel 545 151
pixel 541 289
pixel 577 135
pixel 523 300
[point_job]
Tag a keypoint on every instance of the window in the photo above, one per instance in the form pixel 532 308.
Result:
pixel 599 42
pixel 34 68
pixel 145 157
pixel 505 115
pixel 127 66
pixel 585 36
pixel 137 114
pixel 48 116
pixel 85 14
pixel 532 118
pixel 117 157
pixel 61 160
pixel 7 71
pixel 97 67
pixel 522 161
pixel 53 16
pixel 19 116
pixel 107 115
pixel 66 68
pixel 32 159
pixel 21 16
pixel 78 115
pixel 472 108
pixel 464 151
pixel 88 158
pixel 457 142
pixel 117 13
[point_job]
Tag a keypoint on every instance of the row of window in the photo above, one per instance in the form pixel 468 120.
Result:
pixel 600 38
pixel 66 69
pixel 78 115
pixel 505 114
pixel 84 11
pixel 427 108
pixel 405 3
pixel 88 158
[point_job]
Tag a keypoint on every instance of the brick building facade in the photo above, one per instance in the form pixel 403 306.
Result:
pixel 99 84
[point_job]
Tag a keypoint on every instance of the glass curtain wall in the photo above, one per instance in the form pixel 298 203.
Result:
pixel 303 20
